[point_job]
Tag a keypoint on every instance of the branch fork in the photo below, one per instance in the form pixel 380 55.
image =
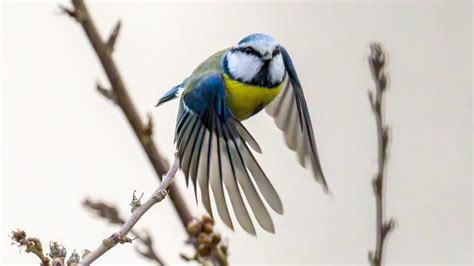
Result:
pixel 111 214
pixel 107 93
pixel 121 235
pixel 75 13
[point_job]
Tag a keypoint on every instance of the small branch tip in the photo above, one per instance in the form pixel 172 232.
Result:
pixel 136 202
pixel 113 37
pixel 107 93
pixel 67 11
pixel 74 13
pixel 149 125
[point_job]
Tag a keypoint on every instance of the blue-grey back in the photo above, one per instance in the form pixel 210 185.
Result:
pixel 213 64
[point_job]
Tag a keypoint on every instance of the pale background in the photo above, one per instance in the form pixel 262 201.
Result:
pixel 62 141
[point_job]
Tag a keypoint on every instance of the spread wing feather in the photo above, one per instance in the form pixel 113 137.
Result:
pixel 214 150
pixel 291 115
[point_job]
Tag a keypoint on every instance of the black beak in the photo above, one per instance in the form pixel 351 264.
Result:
pixel 267 57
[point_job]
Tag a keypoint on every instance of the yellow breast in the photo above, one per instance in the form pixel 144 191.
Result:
pixel 246 100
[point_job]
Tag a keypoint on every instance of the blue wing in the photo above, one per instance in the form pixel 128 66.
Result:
pixel 292 116
pixel 213 149
pixel 171 94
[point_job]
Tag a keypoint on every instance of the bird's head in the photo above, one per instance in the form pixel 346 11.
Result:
pixel 256 60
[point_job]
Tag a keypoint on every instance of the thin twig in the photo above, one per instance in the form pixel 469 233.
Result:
pixel 111 214
pixel 81 15
pixel 148 251
pixel 377 60
pixel 121 235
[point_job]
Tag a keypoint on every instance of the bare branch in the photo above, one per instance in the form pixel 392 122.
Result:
pixel 377 60
pixel 111 214
pixel 121 235
pixel 143 132
pixel 125 103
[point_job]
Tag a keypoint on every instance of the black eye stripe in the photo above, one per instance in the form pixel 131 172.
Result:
pixel 249 50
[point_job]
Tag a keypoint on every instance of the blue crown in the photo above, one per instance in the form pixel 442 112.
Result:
pixel 257 37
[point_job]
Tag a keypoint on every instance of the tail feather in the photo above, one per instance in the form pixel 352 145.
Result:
pixel 173 93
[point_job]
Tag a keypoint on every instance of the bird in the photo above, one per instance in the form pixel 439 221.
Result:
pixel 212 144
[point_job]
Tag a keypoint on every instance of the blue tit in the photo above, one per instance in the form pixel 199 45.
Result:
pixel 212 144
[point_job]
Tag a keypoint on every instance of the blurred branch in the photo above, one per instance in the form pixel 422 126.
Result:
pixel 120 95
pixel 147 242
pixel 121 235
pixel 377 60
pixel 112 215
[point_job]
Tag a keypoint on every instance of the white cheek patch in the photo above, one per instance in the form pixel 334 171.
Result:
pixel 277 69
pixel 243 66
